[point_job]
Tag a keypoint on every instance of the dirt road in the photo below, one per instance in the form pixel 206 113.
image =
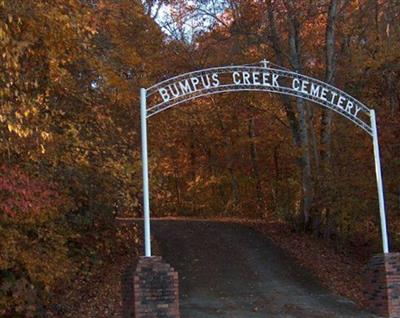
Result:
pixel 230 270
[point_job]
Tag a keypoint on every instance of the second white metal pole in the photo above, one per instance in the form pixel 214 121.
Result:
pixel 146 200
pixel 378 173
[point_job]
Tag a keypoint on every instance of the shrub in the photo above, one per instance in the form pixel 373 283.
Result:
pixel 33 237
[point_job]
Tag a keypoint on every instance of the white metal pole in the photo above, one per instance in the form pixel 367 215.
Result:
pixel 146 200
pixel 378 173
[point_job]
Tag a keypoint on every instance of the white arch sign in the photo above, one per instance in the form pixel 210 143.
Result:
pixel 264 78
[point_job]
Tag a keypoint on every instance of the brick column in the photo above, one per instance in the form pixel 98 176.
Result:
pixel 155 289
pixel 382 285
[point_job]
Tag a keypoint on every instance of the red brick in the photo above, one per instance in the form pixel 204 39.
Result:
pixel 382 285
pixel 156 292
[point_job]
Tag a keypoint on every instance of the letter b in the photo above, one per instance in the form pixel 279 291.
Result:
pixel 164 94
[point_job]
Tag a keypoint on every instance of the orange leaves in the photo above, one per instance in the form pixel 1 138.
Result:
pixel 59 61
pixel 25 197
pixel 202 182
pixel 30 224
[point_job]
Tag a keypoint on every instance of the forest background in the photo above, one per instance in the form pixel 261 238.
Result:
pixel 70 138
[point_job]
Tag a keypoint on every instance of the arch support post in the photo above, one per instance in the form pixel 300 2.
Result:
pixel 145 165
pixel 378 173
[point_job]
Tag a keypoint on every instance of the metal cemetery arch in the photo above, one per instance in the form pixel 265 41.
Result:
pixel 261 77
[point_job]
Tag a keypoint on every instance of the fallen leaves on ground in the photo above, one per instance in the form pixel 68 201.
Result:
pixel 340 273
pixel 100 293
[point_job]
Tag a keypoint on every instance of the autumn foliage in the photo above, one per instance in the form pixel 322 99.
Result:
pixel 68 159
pixel 32 242
pixel 70 72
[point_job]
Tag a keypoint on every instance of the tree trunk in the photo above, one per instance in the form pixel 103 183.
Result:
pixel 254 163
pixel 227 146
pixel 327 115
pixel 298 124
pixel 277 47
pixel 305 160
pixel 326 125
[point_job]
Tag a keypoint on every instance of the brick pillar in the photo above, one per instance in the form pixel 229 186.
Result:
pixel 155 289
pixel 382 285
